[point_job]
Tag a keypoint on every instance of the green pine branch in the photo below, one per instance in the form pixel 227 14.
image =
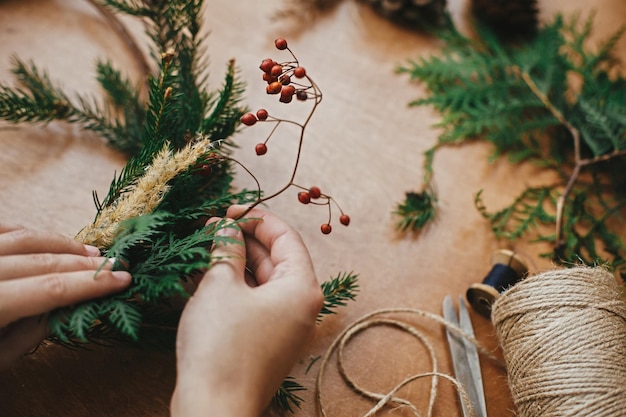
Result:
pixel 553 101
pixel 286 398
pixel 337 292
pixel 38 100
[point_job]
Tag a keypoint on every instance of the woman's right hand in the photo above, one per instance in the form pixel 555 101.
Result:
pixel 236 340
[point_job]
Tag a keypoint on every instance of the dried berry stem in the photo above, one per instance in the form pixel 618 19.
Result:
pixel 317 94
pixel 580 162
pixel 279 78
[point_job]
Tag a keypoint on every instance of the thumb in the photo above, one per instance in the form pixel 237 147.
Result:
pixel 228 255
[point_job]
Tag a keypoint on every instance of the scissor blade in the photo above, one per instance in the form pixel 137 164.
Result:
pixel 462 371
pixel 473 361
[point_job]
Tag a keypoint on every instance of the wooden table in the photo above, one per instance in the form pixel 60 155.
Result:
pixel 364 147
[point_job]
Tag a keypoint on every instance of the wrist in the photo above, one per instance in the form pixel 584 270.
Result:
pixel 202 399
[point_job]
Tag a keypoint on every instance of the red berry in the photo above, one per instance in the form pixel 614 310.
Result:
pixel 285 79
pixel 344 219
pixel 267 64
pixel 299 72
pixel 288 90
pixel 326 228
pixel 280 43
pixel 260 149
pixel 302 95
pixel 276 70
pixel 205 170
pixel 262 114
pixel 274 88
pixel 269 78
pixel 315 192
pixel 248 119
pixel 304 197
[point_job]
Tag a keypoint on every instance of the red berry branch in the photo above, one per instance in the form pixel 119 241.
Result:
pixel 288 80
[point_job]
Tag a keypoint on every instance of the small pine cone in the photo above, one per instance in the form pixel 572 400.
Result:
pixel 415 14
pixel 510 20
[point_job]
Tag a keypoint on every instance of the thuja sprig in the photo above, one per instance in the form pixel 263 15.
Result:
pixel 288 79
pixel 552 101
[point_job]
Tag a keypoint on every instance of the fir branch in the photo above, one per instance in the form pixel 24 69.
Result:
pixel 40 101
pixel 129 112
pixel 286 397
pixel 337 292
pixel 417 210
pixel 218 123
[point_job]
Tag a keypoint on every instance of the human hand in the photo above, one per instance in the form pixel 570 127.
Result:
pixel 42 271
pixel 236 342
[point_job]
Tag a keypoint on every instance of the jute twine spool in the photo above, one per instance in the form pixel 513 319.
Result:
pixel 563 336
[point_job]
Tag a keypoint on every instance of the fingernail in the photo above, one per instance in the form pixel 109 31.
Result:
pixel 122 276
pixel 118 264
pixel 229 229
pixel 92 250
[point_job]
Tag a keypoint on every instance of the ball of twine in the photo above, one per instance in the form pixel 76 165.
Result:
pixel 563 336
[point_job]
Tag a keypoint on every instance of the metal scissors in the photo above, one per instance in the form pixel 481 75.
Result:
pixel 465 357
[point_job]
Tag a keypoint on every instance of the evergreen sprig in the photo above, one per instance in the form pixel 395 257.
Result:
pixel 38 100
pixel 552 101
pixel 417 210
pixel 337 292
pixel 286 398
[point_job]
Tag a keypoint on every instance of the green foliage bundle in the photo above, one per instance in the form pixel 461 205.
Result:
pixel 152 220
pixel 553 101
pixel 156 234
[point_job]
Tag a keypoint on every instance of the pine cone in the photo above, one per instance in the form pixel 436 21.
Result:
pixel 508 19
pixel 416 14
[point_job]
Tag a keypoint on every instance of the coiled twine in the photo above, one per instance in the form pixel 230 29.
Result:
pixel 563 336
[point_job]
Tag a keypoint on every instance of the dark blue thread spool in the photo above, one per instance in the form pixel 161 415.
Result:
pixel 507 269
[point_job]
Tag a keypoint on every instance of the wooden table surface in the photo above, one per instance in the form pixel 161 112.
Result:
pixel 364 147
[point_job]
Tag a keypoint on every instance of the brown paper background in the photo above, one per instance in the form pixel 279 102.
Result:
pixel 364 147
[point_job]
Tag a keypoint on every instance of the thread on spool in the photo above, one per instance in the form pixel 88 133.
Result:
pixel 507 269
pixel 501 277
pixel 563 336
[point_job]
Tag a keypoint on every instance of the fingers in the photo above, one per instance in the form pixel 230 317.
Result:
pixel 229 257
pixel 282 241
pixel 27 297
pixel 21 241
pixel 258 260
pixel 20 266
pixel 9 227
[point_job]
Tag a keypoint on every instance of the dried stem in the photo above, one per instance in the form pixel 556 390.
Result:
pixel 317 94
pixel 579 161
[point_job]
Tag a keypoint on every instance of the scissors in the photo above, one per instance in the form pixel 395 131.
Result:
pixel 465 357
